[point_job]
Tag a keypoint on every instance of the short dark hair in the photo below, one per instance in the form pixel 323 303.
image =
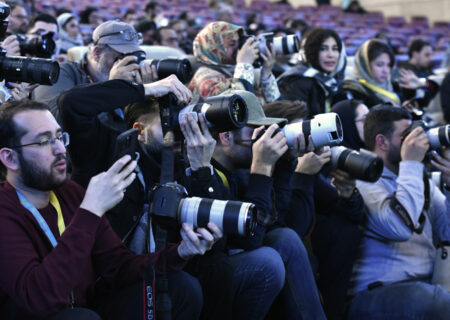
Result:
pixel 10 133
pixel 314 40
pixel 380 120
pixel 151 6
pixel 145 25
pixel 377 48
pixel 14 4
pixel 417 46
pixel 289 110
pixel 157 35
pixel 84 15
pixel 44 17
pixel 141 111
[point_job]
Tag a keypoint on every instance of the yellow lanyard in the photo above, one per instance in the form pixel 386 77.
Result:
pixel 223 178
pixel 382 91
pixel 327 105
pixel 55 203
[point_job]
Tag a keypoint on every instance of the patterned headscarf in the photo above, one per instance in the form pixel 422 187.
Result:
pixel 212 43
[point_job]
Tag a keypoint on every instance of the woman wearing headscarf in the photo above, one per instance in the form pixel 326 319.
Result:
pixel 352 114
pixel 69 34
pixel 318 77
pixel 224 65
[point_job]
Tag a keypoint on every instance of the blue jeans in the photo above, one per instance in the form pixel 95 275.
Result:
pixel 300 297
pixel 258 278
pixel 406 300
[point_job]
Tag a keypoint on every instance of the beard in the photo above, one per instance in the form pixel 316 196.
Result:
pixel 394 155
pixel 37 177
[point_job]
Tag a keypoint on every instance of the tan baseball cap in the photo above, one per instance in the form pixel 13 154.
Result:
pixel 256 116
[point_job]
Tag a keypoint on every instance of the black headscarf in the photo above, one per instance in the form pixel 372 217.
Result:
pixel 347 112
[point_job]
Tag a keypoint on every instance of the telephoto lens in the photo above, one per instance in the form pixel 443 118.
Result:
pixel 325 130
pixel 439 137
pixel 42 46
pixel 31 70
pixel 179 67
pixel 286 44
pixel 230 216
pixel 363 165
pixel 222 113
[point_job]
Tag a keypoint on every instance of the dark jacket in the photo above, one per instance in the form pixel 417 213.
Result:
pixel 39 278
pixel 445 97
pixel 87 114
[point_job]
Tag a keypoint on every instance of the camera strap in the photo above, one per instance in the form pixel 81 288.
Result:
pixel 403 214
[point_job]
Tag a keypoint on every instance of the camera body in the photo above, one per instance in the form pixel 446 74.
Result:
pixel 283 45
pixel 170 207
pixel 42 46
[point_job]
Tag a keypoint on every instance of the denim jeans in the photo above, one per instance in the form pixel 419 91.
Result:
pixel 407 300
pixel 299 296
pixel 258 278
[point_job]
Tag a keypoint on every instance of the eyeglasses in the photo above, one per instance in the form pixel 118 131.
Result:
pixel 127 34
pixel 46 141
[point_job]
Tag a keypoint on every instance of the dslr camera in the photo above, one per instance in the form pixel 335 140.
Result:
pixel 22 69
pixel 438 136
pixel 181 67
pixel 222 113
pixel 170 207
pixel 283 45
pixel 42 46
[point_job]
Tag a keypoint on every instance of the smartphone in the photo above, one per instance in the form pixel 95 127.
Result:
pixel 127 143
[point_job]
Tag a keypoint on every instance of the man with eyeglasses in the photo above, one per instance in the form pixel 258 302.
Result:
pixel 59 257
pixel 105 60
pixel 18 19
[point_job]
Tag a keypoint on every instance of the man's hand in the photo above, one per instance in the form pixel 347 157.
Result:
pixel 299 146
pixel 11 45
pixel 170 84
pixel 267 150
pixel 409 80
pixel 106 189
pixel 415 145
pixel 200 145
pixel 22 90
pixel 192 245
pixel 148 73
pixel 443 164
pixel 269 62
pixel 249 52
pixel 125 69
pixel 311 163
pixel 344 183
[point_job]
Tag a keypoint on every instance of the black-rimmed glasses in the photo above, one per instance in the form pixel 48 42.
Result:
pixel 46 141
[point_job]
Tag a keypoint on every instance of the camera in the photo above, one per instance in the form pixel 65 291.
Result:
pixel 42 46
pixel 4 13
pixel 181 67
pixel 170 207
pixel 363 165
pixel 222 113
pixel 438 136
pixel 282 45
pixel 325 130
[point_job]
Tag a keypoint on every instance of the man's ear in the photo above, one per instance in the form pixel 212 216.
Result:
pixel 96 52
pixel 381 142
pixel 225 138
pixel 140 128
pixel 9 159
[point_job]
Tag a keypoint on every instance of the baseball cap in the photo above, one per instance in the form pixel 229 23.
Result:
pixel 256 116
pixel 120 36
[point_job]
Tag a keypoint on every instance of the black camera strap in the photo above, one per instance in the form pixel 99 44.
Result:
pixel 403 214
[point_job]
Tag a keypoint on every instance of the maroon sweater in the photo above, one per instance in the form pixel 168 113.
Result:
pixel 39 278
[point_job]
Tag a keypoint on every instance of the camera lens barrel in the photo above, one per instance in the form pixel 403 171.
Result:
pixel 179 67
pixel 230 216
pixel 32 70
pixel 287 44
pixel 363 165
pixel 325 130
pixel 439 137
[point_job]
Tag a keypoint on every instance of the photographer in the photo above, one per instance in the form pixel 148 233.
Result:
pixel 112 40
pixel 407 216
pixel 225 64
pixel 58 255
pixel 328 209
pixel 237 152
pixel 18 19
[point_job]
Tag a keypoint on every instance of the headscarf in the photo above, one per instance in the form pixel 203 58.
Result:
pixel 346 111
pixel 65 41
pixel 363 73
pixel 212 43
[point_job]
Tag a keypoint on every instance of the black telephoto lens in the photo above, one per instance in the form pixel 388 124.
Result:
pixel 361 165
pixel 179 67
pixel 31 70
pixel 43 46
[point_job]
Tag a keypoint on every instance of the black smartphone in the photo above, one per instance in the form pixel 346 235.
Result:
pixel 127 143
